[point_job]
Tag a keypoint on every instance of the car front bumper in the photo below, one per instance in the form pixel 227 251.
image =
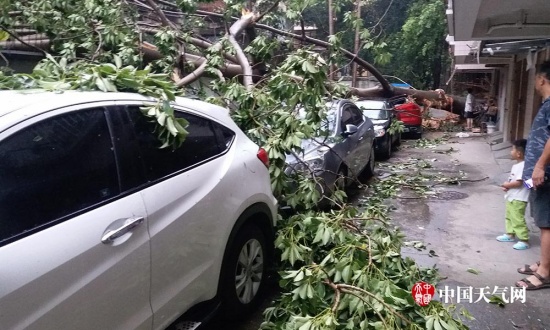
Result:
pixel 380 144
pixel 413 129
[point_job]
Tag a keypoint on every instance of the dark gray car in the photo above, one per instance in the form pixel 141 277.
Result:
pixel 344 154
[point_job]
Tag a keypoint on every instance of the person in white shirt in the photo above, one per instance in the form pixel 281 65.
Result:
pixel 469 109
pixel 516 196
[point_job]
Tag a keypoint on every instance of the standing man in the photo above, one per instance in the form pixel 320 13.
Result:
pixel 537 161
pixel 469 109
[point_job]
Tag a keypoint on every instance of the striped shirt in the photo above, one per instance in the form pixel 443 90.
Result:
pixel 539 135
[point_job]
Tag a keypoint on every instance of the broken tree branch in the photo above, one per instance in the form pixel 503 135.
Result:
pixel 386 89
pixel 160 14
pixel 270 9
pixel 193 76
pixel 235 30
pixel 21 41
pixel 5 59
pixel 383 81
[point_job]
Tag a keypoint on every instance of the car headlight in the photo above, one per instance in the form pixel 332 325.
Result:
pixel 314 164
pixel 379 131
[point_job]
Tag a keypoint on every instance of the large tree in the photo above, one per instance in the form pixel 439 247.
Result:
pixel 342 269
pixel 421 41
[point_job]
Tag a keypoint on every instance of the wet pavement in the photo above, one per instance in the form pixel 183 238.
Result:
pixel 458 226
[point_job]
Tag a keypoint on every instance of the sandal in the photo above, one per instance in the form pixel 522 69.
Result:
pixel 521 246
pixel 545 283
pixel 505 238
pixel 528 270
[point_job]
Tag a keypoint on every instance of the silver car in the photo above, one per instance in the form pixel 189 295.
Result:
pixel 102 229
pixel 346 152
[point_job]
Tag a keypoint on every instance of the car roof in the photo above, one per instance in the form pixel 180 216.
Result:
pixel 21 104
pixel 373 100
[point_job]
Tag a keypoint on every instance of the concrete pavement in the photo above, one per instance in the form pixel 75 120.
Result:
pixel 462 233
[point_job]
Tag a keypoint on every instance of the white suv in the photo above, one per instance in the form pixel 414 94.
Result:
pixel 102 229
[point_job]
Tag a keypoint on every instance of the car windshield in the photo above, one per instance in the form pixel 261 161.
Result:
pixel 374 109
pixel 328 125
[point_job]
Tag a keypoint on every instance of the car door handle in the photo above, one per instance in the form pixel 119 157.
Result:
pixel 127 225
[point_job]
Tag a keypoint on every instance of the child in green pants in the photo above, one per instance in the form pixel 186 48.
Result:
pixel 516 196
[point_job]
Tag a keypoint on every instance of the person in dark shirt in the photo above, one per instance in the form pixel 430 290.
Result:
pixel 537 169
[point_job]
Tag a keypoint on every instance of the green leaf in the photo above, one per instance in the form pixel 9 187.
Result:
pixel 473 271
pixel 161 118
pixel 430 323
pixel 494 299
pixel 170 126
pixel 100 83
pixel 437 325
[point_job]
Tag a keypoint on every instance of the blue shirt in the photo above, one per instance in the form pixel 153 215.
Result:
pixel 539 135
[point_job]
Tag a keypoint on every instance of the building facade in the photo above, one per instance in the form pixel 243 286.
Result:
pixel 507 38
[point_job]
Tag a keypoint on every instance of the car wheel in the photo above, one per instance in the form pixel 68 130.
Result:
pixel 244 273
pixel 368 171
pixel 341 179
pixel 386 154
pixel 397 142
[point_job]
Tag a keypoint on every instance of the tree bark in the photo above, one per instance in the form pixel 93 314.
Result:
pixel 437 70
pixel 235 31
pixel 356 47
pixel 333 68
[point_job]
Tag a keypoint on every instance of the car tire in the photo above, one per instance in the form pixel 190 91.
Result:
pixel 341 182
pixel 397 142
pixel 368 171
pixel 386 154
pixel 244 274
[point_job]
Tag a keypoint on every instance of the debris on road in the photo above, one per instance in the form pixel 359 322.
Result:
pixel 473 271
pixel 436 118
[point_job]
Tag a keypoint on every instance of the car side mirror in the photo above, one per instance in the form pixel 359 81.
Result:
pixel 350 130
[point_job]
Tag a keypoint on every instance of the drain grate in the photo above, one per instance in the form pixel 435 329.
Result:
pixel 187 325
pixel 449 195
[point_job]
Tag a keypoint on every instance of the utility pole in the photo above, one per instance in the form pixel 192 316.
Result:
pixel 332 68
pixel 356 46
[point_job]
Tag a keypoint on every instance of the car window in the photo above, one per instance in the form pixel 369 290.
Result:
pixel 371 104
pixel 398 101
pixel 54 168
pixel 227 136
pixel 347 118
pixel 200 144
pixel 357 115
pixel 377 114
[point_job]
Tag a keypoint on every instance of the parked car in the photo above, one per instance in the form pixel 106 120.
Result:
pixel 102 229
pixel 346 152
pixel 382 114
pixel 411 115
